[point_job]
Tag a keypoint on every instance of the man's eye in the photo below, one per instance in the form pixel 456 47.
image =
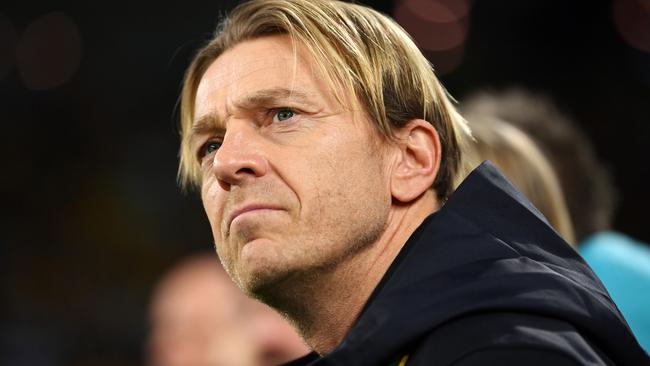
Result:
pixel 208 148
pixel 283 114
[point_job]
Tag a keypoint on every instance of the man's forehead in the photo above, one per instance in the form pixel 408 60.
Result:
pixel 254 67
pixel 225 71
pixel 260 64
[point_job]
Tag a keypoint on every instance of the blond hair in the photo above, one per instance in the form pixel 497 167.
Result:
pixel 358 50
pixel 588 185
pixel 524 165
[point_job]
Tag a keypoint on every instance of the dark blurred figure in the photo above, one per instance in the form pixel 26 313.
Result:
pixel 622 263
pixel 588 187
pixel 200 318
pixel 522 162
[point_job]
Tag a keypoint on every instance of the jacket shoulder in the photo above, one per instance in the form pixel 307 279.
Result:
pixel 504 338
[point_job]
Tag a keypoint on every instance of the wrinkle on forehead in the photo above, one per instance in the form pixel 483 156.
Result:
pixel 273 55
pixel 229 78
pixel 270 62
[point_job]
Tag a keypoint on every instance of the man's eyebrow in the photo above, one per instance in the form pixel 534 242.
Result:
pixel 212 122
pixel 269 96
pixel 207 124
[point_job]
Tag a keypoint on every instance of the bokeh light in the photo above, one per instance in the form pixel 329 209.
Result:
pixel 438 11
pixel 49 52
pixel 632 21
pixel 439 27
pixel 646 5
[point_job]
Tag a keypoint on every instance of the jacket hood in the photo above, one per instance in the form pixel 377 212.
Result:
pixel 488 249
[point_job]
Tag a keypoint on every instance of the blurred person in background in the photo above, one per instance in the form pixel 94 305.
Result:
pixel 621 263
pixel 199 317
pixel 325 150
pixel 521 161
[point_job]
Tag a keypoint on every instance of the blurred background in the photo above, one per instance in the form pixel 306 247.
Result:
pixel 92 214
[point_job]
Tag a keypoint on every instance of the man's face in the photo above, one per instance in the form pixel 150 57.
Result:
pixel 292 181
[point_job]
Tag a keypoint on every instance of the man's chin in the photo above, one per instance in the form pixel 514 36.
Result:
pixel 259 282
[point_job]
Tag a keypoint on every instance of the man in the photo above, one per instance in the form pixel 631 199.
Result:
pixel 622 263
pixel 322 143
pixel 200 318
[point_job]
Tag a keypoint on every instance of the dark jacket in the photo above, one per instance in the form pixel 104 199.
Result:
pixel 487 281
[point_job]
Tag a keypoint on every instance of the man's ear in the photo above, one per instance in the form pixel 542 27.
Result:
pixel 418 161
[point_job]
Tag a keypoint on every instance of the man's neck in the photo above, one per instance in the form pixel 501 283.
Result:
pixel 325 305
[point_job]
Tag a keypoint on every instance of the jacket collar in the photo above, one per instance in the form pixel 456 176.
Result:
pixel 472 255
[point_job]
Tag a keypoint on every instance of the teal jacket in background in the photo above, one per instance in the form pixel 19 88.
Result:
pixel 623 265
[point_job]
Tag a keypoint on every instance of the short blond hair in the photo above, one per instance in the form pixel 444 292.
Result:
pixel 524 164
pixel 357 49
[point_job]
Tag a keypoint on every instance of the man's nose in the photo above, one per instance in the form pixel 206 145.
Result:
pixel 240 156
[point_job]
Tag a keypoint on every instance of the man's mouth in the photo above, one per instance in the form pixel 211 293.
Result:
pixel 248 209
